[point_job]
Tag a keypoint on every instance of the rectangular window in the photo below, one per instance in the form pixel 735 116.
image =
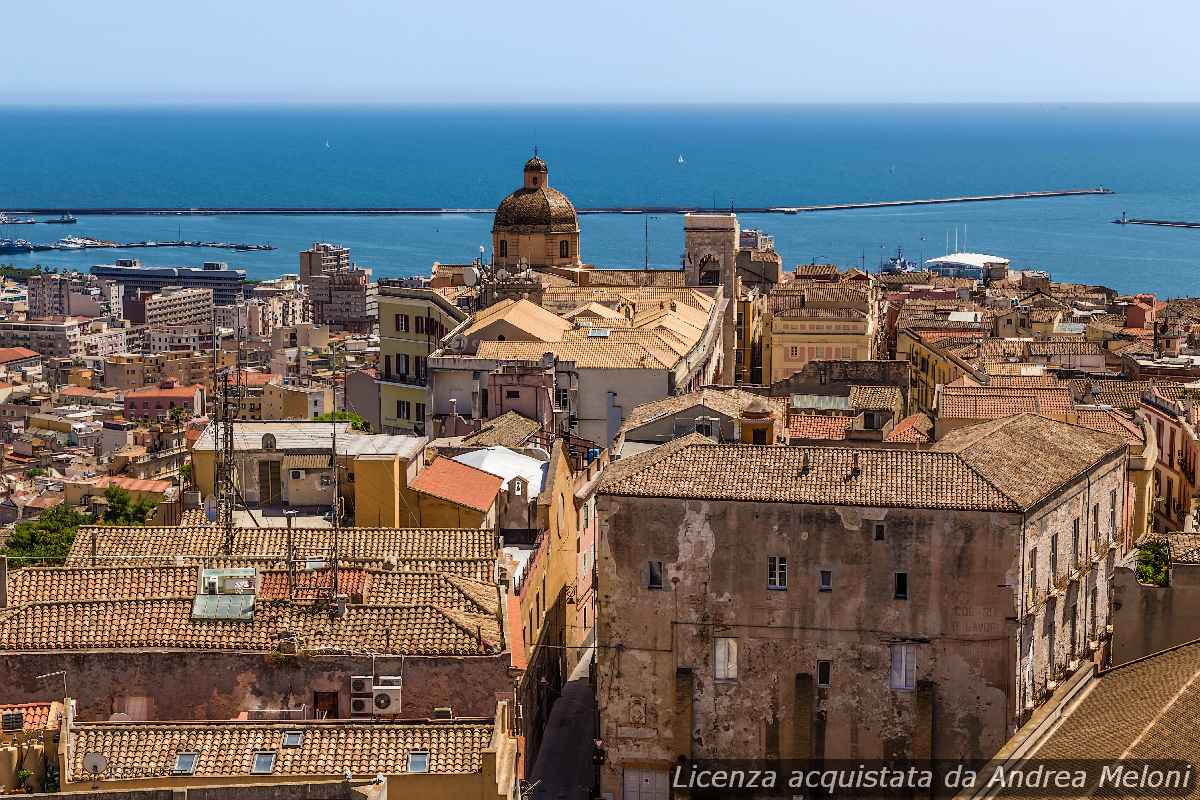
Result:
pixel 901 585
pixel 725 665
pixel 1112 511
pixel 512 394
pixel 264 763
pixel 185 763
pixel 420 417
pixel 826 583
pixel 419 324
pixel 1096 522
pixel 1075 548
pixel 402 323
pixel 824 673
pixel 1054 557
pixel 1032 570
pixel 776 572
pixel 402 409
pixel 904 667
pixel 654 575
pixel 879 531
pixel 418 761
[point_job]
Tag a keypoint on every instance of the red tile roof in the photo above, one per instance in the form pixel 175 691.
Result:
pixel 38 716
pixel 10 354
pixel 817 426
pixel 450 480
pixel 913 429
pixel 133 484
pixel 159 391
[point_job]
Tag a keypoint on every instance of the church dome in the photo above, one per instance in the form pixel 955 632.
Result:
pixel 535 207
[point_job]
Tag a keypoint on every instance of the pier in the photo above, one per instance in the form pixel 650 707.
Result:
pixel 96 244
pixel 780 209
pixel 1162 223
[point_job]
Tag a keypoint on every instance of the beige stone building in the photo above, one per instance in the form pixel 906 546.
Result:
pixel 809 602
pixel 340 294
pixel 818 322
pixel 177 306
pixel 536 225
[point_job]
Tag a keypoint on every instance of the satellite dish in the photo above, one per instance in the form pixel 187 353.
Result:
pixel 470 276
pixel 94 763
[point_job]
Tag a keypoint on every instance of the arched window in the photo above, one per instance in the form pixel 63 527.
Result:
pixel 564 249
pixel 535 181
pixel 504 248
pixel 268 442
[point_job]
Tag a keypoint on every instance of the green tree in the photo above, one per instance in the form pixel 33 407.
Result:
pixel 1154 563
pixel 122 509
pixel 185 474
pixel 356 421
pixel 35 472
pixel 48 537
pixel 179 416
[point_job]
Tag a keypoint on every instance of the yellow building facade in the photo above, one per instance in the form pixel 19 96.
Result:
pixel 412 322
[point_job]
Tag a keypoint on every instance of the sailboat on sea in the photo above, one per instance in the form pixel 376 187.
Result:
pixel 681 161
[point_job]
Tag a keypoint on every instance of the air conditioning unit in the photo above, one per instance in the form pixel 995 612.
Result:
pixel 361 685
pixel 443 712
pixel 297 474
pixel 361 706
pixel 386 700
pixel 389 680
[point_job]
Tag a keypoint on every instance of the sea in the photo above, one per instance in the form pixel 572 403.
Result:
pixel 708 157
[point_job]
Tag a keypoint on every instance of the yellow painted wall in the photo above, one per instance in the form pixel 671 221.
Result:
pixel 202 470
pixel 377 486
pixel 438 513
pixel 557 563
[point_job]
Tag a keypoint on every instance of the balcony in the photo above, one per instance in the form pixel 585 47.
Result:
pixel 400 379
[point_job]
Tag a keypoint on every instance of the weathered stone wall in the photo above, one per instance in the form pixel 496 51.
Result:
pixel 657 691
pixel 179 685
pixel 1147 619
pixel 1077 586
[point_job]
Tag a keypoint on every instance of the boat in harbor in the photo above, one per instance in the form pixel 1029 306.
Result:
pixel 5 219
pixel 15 246
pixel 65 219
pixel 898 263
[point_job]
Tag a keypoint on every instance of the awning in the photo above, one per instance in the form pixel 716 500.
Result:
pixel 307 461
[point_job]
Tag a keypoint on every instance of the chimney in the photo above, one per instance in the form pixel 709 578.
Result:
pixel 854 466
pixel 339 605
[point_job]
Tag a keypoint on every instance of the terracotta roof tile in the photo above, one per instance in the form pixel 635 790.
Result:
pixel 38 716
pixel 874 398
pixel 168 623
pixel 50 584
pixel 818 426
pixel 507 430
pixel 148 750
pixel 140 545
pixel 915 428
pixel 459 483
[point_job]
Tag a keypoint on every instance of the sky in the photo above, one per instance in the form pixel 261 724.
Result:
pixel 136 52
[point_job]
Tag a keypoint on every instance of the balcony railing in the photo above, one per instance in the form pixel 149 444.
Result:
pixel 405 379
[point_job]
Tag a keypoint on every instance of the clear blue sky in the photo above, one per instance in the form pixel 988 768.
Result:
pixel 472 51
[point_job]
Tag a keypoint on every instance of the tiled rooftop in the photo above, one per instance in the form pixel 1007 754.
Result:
pixel 38 716
pixel 458 483
pixel 818 426
pixel 1145 709
pixel 913 429
pixel 1008 465
pixel 1028 456
pixel 51 584
pixel 148 750
pixel 507 430
pixel 142 544
pixel 168 624
pixel 875 398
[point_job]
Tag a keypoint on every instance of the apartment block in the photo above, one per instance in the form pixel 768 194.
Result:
pixel 53 337
pixel 412 323
pixel 340 294
pixel 284 399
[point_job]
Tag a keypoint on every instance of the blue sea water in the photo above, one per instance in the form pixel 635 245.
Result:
pixel 614 156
